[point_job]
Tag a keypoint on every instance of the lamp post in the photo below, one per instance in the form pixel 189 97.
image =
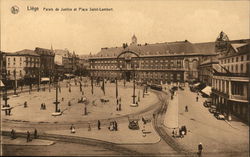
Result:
pixel 15 85
pixel 57 110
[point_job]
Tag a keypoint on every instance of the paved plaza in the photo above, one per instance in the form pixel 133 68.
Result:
pixel 218 137
pixel 76 112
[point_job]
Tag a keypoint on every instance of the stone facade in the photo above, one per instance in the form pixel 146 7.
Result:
pixel 231 85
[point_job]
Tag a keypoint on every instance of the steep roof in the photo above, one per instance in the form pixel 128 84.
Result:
pixel 64 53
pixel 167 48
pixel 236 46
pixel 25 52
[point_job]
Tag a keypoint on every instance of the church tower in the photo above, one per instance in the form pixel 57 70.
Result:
pixel 134 40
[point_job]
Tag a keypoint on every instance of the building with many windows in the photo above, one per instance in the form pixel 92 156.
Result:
pixel 22 65
pixel 206 69
pixel 46 61
pixel 231 84
pixel 156 63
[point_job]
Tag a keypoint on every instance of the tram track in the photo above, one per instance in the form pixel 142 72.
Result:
pixel 158 109
pixel 158 123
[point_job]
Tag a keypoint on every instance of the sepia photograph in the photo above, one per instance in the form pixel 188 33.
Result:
pixel 153 78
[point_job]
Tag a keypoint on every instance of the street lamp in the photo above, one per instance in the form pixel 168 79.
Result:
pixel 15 86
pixel 6 106
pixel 57 110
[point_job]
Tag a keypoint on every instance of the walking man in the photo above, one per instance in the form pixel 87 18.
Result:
pixel 13 134
pixel 197 98
pixel 25 104
pixel 99 125
pixel 173 133
pixel 89 128
pixel 200 148
pixel 35 134
pixel 28 136
pixel 186 108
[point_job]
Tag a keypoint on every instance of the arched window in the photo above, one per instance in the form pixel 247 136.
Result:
pixel 195 64
pixel 186 63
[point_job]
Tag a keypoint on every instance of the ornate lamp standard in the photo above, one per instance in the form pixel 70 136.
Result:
pixel 6 106
pixel 57 110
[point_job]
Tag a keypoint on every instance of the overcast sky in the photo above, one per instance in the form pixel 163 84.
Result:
pixel 151 22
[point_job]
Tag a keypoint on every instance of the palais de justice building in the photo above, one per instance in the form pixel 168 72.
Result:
pixel 156 63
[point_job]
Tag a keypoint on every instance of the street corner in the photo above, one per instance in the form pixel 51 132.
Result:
pixel 23 141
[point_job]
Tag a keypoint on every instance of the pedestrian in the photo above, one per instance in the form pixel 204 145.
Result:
pixel 144 121
pixel 154 115
pixel 69 103
pixel 85 110
pixel 44 106
pixel 35 134
pixel 13 134
pixel 41 108
pixel 197 98
pixel 116 126
pixel 28 136
pixel 62 98
pixel 25 104
pixel 99 125
pixel 72 129
pixel 186 108
pixel 185 130
pixel 89 127
pixel 9 111
pixel 173 133
pixel 120 107
pixel 200 148
pixel 176 133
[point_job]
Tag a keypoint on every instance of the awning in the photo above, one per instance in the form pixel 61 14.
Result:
pixel 1 84
pixel 197 84
pixel 207 90
pixel 43 79
pixel 69 75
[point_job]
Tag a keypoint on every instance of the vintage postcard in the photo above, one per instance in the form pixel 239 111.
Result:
pixel 124 78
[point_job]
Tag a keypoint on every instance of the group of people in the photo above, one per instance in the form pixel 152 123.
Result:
pixel 29 136
pixel 13 135
pixel 118 104
pixel 179 132
pixel 113 126
pixel 8 109
pixel 43 106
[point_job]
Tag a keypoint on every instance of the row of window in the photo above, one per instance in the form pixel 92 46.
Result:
pixel 234 59
pixel 9 72
pixel 142 61
pixel 236 68
pixel 27 59
pixel 27 64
